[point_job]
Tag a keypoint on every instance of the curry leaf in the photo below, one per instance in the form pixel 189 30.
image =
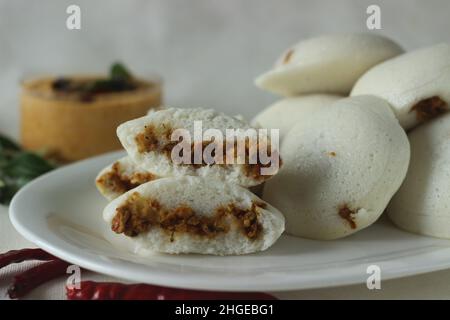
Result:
pixel 17 168
pixel 8 144
pixel 118 71
pixel 27 164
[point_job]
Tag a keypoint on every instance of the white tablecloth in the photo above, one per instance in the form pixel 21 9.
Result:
pixel 434 285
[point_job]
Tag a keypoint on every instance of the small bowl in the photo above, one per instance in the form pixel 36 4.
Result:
pixel 69 128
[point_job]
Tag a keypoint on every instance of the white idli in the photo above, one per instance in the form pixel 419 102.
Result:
pixel 284 114
pixel 416 84
pixel 422 204
pixel 340 169
pixel 327 64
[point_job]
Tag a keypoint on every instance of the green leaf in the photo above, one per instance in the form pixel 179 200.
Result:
pixel 4 159
pixel 17 168
pixel 7 191
pixel 8 144
pixel 118 71
pixel 27 165
pixel 22 181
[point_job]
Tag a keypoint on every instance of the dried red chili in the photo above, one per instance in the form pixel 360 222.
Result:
pixel 90 290
pixel 17 256
pixel 34 277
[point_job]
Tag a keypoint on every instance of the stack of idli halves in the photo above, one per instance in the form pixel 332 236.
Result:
pixel 348 101
pixel 162 205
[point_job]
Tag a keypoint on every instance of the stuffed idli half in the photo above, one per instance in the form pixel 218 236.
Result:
pixel 153 143
pixel 341 168
pixel 194 215
pixel 416 84
pixel 422 204
pixel 120 177
pixel 284 114
pixel 326 64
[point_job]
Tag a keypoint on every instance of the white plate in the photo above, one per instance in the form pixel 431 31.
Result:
pixel 61 212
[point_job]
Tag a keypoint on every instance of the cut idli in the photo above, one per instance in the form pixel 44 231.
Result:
pixel 120 177
pixel 422 204
pixel 327 64
pixel 284 114
pixel 150 143
pixel 340 169
pixel 416 84
pixel 194 215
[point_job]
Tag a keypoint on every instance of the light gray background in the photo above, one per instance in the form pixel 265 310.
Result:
pixel 208 51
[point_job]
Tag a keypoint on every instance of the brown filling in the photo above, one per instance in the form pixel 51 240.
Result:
pixel 346 213
pixel 288 56
pixel 250 170
pixel 120 183
pixel 138 215
pixel 429 108
pixel 149 140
